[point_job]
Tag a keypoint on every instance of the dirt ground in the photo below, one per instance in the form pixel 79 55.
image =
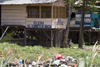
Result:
pixel 89 48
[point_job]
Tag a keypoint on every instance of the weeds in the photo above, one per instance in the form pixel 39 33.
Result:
pixel 32 53
pixel 6 37
pixel 88 60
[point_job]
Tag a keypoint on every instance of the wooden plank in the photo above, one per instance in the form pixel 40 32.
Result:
pixel 44 4
pixel 17 15
pixel 12 18
pixel 14 21
pixel 13 14
pixel 38 19
pixel 13 24
pixel 13 10
pixel 13 7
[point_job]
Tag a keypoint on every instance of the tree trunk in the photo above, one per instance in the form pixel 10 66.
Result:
pixel 81 33
pixel 67 28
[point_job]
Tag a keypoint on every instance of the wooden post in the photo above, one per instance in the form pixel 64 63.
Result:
pixel 40 12
pixel 0 32
pixel 25 36
pixel 99 38
pixel 59 38
pixel 0 15
pixel 89 38
pixel 52 12
pixel 56 38
pixel 4 32
pixel 51 38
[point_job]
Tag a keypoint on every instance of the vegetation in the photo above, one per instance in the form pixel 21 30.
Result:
pixel 31 53
pixel 87 61
pixel 6 37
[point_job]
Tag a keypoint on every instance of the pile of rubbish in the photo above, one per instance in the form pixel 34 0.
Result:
pixel 56 61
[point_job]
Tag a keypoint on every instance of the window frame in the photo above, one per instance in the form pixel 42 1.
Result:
pixel 31 11
pixel 47 11
pixel 54 15
pixel 57 12
pixel 40 14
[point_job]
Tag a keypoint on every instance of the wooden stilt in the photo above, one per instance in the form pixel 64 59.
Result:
pixel 25 36
pixel 56 39
pixel 51 38
pixel 59 38
pixel 99 38
pixel 4 32
pixel 0 32
pixel 89 38
pixel 46 35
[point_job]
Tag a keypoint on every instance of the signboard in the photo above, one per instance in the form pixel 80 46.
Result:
pixel 87 18
pixel 38 24
pixel 59 22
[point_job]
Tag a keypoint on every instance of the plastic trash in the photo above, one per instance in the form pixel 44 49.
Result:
pixel 56 62
pixel 63 65
pixel 59 56
pixel 34 63
pixel 20 61
pixel 70 59
pixel 29 65
pixel 72 65
pixel 63 60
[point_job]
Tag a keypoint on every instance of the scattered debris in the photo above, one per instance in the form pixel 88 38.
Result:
pixel 56 61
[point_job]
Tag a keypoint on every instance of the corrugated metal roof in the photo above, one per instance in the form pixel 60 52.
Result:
pixel 8 2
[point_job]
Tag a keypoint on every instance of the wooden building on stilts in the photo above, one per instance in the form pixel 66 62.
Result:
pixel 33 22
pixel 91 25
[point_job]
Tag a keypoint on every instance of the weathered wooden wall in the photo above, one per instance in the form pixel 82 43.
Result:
pixel 17 15
pixel 13 15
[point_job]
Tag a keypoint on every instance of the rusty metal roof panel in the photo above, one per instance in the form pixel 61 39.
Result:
pixel 8 2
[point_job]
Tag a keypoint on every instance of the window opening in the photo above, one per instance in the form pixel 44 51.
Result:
pixel 33 11
pixel 45 11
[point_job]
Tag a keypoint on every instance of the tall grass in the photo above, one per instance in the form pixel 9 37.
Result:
pixel 89 60
pixel 6 37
